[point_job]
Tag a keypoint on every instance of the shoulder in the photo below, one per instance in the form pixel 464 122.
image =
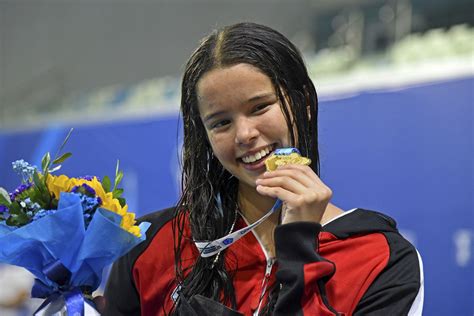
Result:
pixel 387 264
pixel 401 255
pixel 124 291
pixel 360 221
pixel 374 236
pixel 157 219
pixel 160 221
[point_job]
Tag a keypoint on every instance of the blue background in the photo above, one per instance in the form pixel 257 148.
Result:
pixel 406 152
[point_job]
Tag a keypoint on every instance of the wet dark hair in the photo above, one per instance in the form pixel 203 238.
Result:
pixel 209 192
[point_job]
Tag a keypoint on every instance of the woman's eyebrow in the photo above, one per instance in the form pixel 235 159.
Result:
pixel 258 97
pixel 255 98
pixel 212 115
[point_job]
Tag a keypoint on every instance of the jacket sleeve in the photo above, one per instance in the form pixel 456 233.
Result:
pixel 302 272
pixel 398 289
pixel 121 295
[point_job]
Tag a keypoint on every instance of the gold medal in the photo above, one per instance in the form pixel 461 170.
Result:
pixel 275 160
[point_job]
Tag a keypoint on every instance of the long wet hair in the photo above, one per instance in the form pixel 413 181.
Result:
pixel 209 192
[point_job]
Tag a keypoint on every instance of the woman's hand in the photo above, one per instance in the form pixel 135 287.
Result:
pixel 304 195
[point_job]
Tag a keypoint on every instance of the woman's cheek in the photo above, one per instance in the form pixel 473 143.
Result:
pixel 219 146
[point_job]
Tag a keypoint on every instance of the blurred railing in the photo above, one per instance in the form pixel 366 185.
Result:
pixel 41 94
pixel 431 56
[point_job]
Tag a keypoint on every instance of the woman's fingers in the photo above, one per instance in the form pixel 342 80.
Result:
pixel 304 195
pixel 286 182
pixel 277 193
pixel 306 170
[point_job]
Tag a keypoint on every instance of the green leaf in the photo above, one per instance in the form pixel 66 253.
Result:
pixel 37 181
pixel 15 209
pixel 121 201
pixel 44 196
pixel 106 184
pixel 4 197
pixel 64 142
pixel 46 199
pixel 45 161
pixel 17 219
pixel 118 178
pixel 54 204
pixel 117 168
pixel 54 169
pixel 62 158
pixel 40 197
pixel 117 193
pixel 35 195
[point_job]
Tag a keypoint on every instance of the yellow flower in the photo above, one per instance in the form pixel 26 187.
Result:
pixel 57 184
pixel 64 184
pixel 128 220
pixel 128 224
pixel 108 202
pixel 135 230
pixel 97 186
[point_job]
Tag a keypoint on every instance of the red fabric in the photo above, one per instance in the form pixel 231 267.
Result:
pixel 311 301
pixel 358 260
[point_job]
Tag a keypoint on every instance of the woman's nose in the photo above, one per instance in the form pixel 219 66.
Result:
pixel 245 131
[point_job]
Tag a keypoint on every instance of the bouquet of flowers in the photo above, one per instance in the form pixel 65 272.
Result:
pixel 65 231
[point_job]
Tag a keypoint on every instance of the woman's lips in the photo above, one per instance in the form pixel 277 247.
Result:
pixel 257 165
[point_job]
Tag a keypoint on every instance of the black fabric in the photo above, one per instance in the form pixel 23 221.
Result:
pixel 295 245
pixel 361 222
pixel 202 306
pixel 395 289
pixel 121 295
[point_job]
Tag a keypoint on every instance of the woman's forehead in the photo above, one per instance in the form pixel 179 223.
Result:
pixel 237 83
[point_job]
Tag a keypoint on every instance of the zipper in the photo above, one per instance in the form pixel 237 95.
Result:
pixel 268 270
pixel 265 281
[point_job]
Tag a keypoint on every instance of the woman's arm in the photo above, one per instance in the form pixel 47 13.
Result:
pixel 396 289
pixel 399 288
pixel 302 272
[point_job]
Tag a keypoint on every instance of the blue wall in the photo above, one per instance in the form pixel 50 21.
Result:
pixel 407 153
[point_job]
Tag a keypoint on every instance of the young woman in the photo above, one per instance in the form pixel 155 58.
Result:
pixel 245 93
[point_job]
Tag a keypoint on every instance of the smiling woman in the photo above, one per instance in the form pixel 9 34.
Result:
pixel 245 94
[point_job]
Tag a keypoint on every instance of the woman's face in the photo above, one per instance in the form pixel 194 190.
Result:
pixel 243 118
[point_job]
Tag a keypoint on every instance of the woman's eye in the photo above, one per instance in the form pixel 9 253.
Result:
pixel 260 107
pixel 219 124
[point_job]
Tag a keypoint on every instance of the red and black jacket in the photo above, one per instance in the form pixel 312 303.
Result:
pixel 357 264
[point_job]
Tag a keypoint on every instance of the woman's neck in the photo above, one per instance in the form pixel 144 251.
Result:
pixel 252 205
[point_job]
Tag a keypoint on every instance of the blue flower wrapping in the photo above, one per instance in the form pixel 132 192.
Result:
pixel 62 237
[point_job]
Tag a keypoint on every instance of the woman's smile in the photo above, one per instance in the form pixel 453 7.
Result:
pixel 255 159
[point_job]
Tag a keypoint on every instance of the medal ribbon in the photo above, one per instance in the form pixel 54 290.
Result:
pixel 210 248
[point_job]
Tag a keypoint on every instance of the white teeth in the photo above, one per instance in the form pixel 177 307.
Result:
pixel 257 156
